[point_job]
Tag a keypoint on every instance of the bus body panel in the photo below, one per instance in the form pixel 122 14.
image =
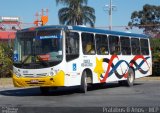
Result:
pixel 73 73
pixel 104 68
pixel 53 76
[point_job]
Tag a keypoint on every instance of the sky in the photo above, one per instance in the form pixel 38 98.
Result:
pixel 26 10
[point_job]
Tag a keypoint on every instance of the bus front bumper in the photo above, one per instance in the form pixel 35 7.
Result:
pixel 48 81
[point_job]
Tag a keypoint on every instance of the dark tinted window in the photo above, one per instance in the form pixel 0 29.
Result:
pixel 125 46
pixel 72 46
pixel 88 43
pixel 102 44
pixel 114 45
pixel 135 46
pixel 144 46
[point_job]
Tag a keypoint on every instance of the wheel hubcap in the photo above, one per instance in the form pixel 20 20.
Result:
pixel 85 80
pixel 131 78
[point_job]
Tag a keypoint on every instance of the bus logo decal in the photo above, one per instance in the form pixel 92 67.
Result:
pixel 112 68
pixel 74 67
pixel 15 57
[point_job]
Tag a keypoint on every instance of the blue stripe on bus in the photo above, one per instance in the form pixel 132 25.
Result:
pixel 86 29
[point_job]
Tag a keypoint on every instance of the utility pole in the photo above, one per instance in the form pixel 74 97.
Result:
pixel 110 15
pixel 110 8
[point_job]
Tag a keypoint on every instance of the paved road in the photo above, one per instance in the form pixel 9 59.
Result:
pixel 142 94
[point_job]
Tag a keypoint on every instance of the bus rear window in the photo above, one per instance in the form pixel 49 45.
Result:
pixel 144 46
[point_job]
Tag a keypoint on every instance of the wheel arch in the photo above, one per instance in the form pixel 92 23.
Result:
pixel 89 73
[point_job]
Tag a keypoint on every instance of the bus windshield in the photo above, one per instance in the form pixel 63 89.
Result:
pixel 38 49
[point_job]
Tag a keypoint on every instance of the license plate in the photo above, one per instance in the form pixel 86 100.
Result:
pixel 34 81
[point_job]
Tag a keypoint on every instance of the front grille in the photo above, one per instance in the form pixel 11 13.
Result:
pixel 37 83
pixel 42 74
pixel 35 75
pixel 28 74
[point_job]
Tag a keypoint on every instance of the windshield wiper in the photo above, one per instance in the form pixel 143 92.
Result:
pixel 42 61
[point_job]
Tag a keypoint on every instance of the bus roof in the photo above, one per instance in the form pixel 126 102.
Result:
pixel 87 29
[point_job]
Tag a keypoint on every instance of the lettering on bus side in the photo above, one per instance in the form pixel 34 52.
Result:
pixel 87 63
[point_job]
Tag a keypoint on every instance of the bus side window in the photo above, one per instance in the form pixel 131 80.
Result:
pixel 144 47
pixel 125 46
pixel 135 46
pixel 114 45
pixel 72 46
pixel 88 43
pixel 102 44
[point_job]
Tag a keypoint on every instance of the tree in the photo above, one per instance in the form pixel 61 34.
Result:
pixel 76 13
pixel 68 2
pixel 5 60
pixel 147 19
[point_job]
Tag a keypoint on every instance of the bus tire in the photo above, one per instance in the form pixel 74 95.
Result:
pixel 83 86
pixel 130 77
pixel 44 90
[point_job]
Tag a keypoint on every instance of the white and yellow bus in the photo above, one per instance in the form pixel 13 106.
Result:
pixel 58 56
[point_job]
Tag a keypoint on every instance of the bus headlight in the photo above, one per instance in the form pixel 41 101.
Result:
pixel 51 73
pixel 18 74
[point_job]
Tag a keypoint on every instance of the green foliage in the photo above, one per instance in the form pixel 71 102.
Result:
pixel 68 2
pixel 5 60
pixel 76 12
pixel 155 45
pixel 147 19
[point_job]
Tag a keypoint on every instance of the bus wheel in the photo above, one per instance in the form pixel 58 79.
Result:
pixel 44 90
pixel 130 78
pixel 83 86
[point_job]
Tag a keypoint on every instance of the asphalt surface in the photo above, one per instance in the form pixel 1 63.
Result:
pixel 30 100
